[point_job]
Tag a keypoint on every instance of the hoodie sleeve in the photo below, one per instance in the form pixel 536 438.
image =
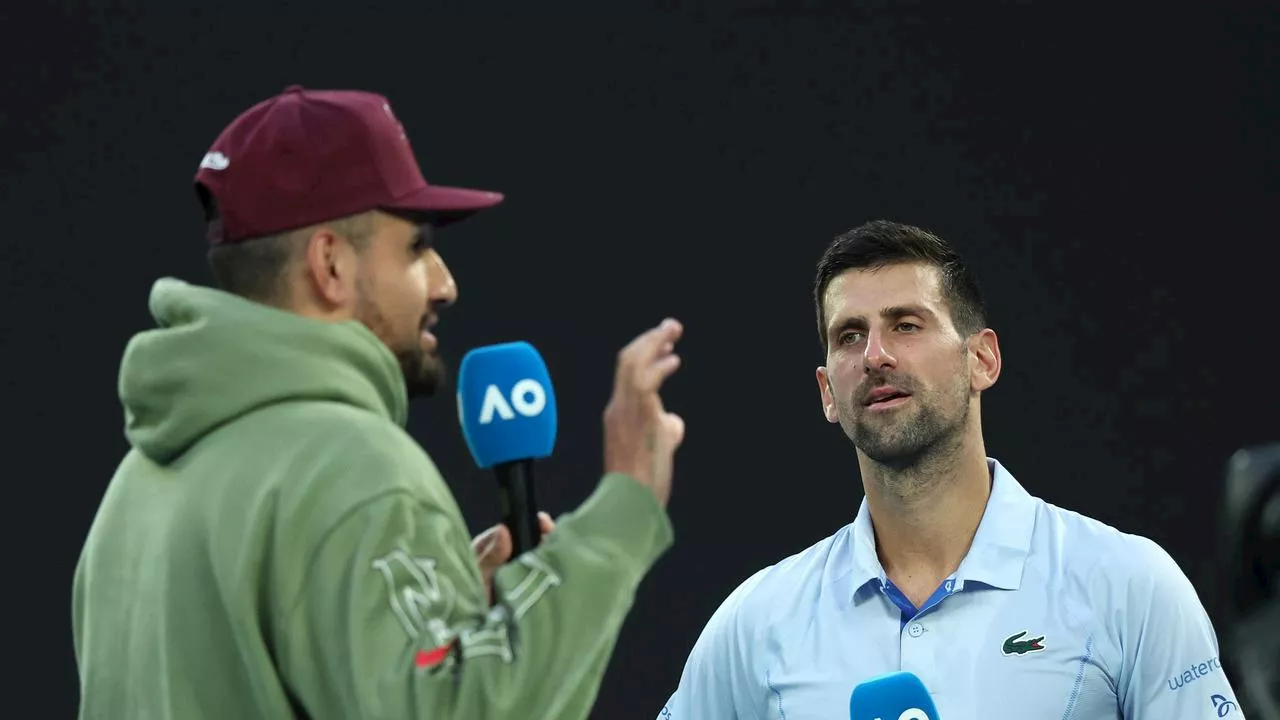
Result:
pixel 394 622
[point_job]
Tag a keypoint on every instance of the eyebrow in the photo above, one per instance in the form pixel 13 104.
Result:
pixel 859 322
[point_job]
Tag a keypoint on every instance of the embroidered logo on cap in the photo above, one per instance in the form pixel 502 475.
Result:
pixel 215 161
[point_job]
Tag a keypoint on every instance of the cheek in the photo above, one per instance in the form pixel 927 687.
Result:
pixel 411 290
pixel 401 296
pixel 848 370
pixel 841 382
pixel 949 378
pixel 419 278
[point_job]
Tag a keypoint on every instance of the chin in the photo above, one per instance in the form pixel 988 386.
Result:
pixel 888 443
pixel 879 447
pixel 424 373
pixel 423 384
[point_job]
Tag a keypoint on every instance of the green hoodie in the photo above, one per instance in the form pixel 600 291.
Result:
pixel 276 545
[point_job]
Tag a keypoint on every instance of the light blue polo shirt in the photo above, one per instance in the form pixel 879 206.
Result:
pixel 1051 615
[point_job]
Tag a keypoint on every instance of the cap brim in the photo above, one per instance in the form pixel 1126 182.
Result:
pixel 443 205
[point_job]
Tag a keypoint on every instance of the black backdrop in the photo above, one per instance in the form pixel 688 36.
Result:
pixel 1112 179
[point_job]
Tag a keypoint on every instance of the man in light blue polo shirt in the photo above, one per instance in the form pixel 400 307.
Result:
pixel 1004 605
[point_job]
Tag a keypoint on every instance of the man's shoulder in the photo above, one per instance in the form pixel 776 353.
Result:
pixel 1103 554
pixel 796 579
pixel 329 453
pixel 317 418
pixel 332 429
pixel 813 563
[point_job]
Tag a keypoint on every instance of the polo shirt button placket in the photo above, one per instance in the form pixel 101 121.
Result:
pixel 918 648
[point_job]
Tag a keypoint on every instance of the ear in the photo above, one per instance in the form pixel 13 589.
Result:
pixel 330 266
pixel 828 397
pixel 985 347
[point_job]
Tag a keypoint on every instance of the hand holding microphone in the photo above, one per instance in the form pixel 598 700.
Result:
pixel 494 548
pixel 896 696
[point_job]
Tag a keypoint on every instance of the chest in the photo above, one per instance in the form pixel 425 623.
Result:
pixel 983 655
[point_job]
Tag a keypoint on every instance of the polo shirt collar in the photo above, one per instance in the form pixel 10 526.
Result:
pixel 999 550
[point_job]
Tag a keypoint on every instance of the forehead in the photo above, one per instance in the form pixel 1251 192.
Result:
pixel 865 292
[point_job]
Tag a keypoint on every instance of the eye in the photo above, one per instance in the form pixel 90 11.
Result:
pixel 422 241
pixel 908 327
pixel 848 337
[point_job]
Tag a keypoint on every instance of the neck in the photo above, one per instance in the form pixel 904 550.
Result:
pixel 926 514
pixel 307 305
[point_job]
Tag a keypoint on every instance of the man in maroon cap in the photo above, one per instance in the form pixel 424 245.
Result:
pixel 274 544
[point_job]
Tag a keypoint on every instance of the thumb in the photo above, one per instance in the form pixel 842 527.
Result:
pixel 493 548
pixel 674 425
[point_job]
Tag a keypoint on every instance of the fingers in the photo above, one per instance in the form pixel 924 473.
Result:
pixel 493 548
pixel 480 544
pixel 675 428
pixel 650 346
pixel 651 377
pixel 647 346
pixel 545 523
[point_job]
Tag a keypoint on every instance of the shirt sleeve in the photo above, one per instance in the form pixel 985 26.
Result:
pixel 717 680
pixel 394 621
pixel 1171 667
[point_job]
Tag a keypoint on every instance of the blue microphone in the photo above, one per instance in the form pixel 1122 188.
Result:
pixel 896 696
pixel 508 412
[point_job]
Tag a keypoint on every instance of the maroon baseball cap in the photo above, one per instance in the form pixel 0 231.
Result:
pixel 308 156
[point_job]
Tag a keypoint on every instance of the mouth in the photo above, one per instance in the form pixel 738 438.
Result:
pixel 429 338
pixel 884 398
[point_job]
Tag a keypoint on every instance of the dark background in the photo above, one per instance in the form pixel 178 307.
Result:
pixel 1112 178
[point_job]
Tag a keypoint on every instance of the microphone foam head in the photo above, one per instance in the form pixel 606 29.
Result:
pixel 506 404
pixel 896 696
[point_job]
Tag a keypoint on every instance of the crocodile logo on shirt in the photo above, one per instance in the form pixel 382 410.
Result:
pixel 1014 646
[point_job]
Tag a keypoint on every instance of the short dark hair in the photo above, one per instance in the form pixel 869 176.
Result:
pixel 256 268
pixel 879 243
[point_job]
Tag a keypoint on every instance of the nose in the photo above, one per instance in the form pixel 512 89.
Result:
pixel 441 288
pixel 877 355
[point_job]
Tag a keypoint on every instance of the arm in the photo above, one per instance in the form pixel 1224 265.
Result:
pixel 394 620
pixel 717 681
pixel 1171 667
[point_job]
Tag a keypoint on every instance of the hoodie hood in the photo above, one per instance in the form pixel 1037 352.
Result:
pixel 216 356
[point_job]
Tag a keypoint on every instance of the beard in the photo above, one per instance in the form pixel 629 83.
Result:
pixel 424 373
pixel 909 435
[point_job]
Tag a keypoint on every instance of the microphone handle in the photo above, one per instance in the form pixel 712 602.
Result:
pixel 519 507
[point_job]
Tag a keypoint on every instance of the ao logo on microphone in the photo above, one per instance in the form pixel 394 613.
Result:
pixel 506 404
pixel 527 397
pixel 911 714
